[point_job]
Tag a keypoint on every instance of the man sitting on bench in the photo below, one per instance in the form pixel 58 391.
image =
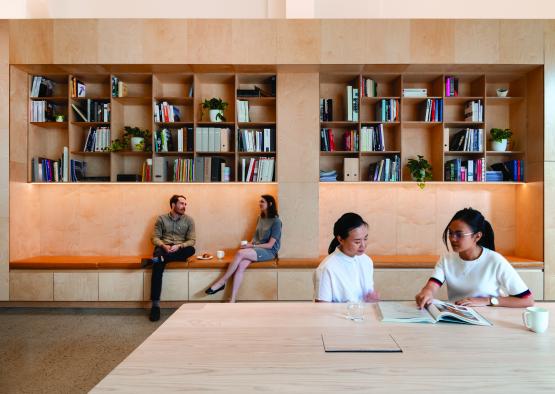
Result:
pixel 174 238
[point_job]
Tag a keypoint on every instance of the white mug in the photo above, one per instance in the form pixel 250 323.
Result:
pixel 536 319
pixel 243 243
pixel 220 254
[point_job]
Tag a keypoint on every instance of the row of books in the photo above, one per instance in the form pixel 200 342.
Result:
pixel 512 170
pixel 351 140
pixel 369 87
pixel 258 169
pixel 451 86
pixel 327 143
pixel 78 88
pixel 41 86
pixel 352 102
pixel 460 170
pixel 146 172
pixel 166 113
pixel 467 140
pixel 92 111
pixel 385 170
pixel 50 170
pixel 432 110
pixel 98 139
pixel 257 140
pixel 119 88
pixel 78 170
pixel 387 110
pixel 243 111
pixel 372 138
pixel 199 169
pixel 43 111
pixel 212 139
pixel 164 140
pixel 326 110
pixel 474 111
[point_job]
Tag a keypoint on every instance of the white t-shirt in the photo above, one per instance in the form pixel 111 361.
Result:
pixel 340 278
pixel 490 275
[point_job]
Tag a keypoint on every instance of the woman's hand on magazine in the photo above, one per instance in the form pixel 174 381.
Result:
pixel 373 296
pixel 473 301
pixel 424 298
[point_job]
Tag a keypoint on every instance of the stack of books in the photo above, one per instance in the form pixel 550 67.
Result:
pixel 166 113
pixel 467 140
pixel 415 92
pixel 458 170
pixel 433 110
pixel 387 110
pixel 259 169
pixel 385 170
pixel 328 176
pixel 494 176
pixel 98 139
pixel 369 87
pixel 327 144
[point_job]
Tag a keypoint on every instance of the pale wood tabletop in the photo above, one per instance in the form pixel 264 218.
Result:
pixel 277 347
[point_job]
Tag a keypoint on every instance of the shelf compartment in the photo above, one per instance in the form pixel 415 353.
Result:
pixel 174 86
pixel 433 83
pixel 138 85
pixel 96 85
pixel 469 85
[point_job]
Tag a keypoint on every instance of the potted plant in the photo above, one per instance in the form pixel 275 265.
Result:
pixel 133 138
pixel 420 170
pixel 216 107
pixel 499 138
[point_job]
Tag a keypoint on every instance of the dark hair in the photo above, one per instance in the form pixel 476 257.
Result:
pixel 476 221
pixel 271 211
pixel 175 198
pixel 343 227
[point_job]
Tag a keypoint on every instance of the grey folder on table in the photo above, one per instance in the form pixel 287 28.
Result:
pixel 345 341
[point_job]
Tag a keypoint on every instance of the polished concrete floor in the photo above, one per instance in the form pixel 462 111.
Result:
pixel 66 350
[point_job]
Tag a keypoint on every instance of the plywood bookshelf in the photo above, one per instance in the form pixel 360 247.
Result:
pixel 409 134
pixel 185 91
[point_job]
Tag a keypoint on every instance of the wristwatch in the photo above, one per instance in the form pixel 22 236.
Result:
pixel 493 301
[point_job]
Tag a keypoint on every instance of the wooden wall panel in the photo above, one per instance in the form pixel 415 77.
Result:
pixel 166 41
pixel 521 42
pixel 120 41
pixel 432 41
pixel 254 42
pixel 216 50
pixel 31 41
pixel 76 41
pixel 4 159
pixel 345 39
pixel 476 41
pixel 298 42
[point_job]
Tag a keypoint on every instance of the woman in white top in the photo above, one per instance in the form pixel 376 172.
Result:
pixel 475 274
pixel 347 274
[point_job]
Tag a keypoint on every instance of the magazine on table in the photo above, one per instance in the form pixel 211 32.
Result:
pixel 434 312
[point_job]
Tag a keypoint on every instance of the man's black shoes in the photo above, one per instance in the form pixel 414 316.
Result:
pixel 146 262
pixel 154 313
pixel 210 291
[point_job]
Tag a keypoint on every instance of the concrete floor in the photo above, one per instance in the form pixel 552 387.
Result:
pixel 44 350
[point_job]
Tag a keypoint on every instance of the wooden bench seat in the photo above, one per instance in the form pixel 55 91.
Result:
pixel 134 262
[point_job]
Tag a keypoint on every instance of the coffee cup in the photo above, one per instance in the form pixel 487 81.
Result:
pixel 243 243
pixel 536 319
pixel 220 254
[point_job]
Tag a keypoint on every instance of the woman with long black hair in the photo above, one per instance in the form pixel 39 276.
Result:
pixel 474 273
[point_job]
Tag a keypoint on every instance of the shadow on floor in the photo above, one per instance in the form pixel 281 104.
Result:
pixel 67 350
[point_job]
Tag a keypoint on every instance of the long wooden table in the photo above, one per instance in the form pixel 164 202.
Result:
pixel 277 347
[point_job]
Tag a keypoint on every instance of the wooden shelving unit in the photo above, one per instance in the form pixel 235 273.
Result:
pixel 409 135
pixel 185 91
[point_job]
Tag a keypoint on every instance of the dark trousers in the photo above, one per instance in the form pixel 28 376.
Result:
pixel 181 254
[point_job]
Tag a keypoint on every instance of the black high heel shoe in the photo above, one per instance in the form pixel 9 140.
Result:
pixel 210 291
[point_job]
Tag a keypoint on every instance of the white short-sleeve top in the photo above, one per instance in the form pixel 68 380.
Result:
pixel 340 278
pixel 490 275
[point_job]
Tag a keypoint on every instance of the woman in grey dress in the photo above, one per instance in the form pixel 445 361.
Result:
pixel 263 247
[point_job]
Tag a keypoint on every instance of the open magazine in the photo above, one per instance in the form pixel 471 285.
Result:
pixel 436 311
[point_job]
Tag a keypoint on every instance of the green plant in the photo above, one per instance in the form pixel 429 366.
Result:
pixel 125 142
pixel 420 170
pixel 500 134
pixel 216 103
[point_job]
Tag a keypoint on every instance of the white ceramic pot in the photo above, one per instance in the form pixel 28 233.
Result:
pixel 499 146
pixel 137 144
pixel 214 115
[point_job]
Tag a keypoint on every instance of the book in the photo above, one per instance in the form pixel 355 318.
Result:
pixel 436 311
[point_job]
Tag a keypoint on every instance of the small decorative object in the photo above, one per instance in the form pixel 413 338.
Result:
pixel 216 107
pixel 499 138
pixel 420 170
pixel 134 138
pixel 502 92
pixel 60 118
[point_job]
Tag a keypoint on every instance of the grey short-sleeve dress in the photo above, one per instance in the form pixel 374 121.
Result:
pixel 267 228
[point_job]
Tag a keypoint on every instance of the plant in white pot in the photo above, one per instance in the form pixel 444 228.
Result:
pixel 420 170
pixel 139 139
pixel 499 139
pixel 216 107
